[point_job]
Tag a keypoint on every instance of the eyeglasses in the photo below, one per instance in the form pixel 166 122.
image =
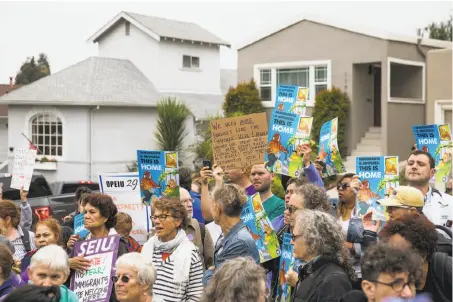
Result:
pixel 398 285
pixel 291 209
pixel 294 237
pixel 123 278
pixel 344 186
pixel 160 217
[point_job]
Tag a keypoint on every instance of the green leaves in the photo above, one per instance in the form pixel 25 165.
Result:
pixel 329 105
pixel 171 129
pixel 31 71
pixel 243 100
pixel 441 30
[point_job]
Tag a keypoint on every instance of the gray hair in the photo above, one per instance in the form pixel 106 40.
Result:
pixel 52 256
pixel 231 198
pixel 324 237
pixel 314 198
pixel 146 273
pixel 238 279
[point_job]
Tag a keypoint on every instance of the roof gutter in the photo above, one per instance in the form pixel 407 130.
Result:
pixel 419 43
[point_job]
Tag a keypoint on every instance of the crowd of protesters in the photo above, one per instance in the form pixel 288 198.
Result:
pixel 201 250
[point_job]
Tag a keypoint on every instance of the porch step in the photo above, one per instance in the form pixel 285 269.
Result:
pixel 369 145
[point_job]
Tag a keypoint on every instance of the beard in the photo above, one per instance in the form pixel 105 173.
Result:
pixel 264 187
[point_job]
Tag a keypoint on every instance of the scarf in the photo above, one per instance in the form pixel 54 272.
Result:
pixel 180 248
pixel 171 245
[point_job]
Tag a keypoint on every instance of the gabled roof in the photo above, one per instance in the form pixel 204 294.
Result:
pixel 371 32
pixel 94 81
pixel 99 81
pixel 159 28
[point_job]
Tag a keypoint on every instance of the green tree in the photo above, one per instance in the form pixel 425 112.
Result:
pixel 441 30
pixel 171 130
pixel 242 100
pixel 329 105
pixel 32 70
pixel 203 149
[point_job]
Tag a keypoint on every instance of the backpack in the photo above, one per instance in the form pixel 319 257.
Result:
pixel 440 261
pixel 444 244
pixel 26 240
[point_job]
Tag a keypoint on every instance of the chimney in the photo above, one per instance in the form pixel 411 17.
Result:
pixel 11 82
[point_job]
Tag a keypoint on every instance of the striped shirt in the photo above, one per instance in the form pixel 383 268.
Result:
pixel 170 291
pixel 19 245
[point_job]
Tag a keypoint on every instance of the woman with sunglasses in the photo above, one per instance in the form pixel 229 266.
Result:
pixel 175 257
pixel 134 279
pixel 351 222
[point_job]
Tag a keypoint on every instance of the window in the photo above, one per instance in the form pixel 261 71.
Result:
pixel 320 79
pixel 315 75
pixel 266 85
pixel 127 28
pixel 298 77
pixel 190 62
pixel 47 134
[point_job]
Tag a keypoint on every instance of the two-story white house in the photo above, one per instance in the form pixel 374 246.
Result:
pixel 92 116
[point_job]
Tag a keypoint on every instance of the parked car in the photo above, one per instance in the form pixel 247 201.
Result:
pixel 43 201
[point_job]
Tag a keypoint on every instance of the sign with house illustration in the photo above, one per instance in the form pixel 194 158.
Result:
pixel 329 153
pixel 289 129
pixel 379 176
pixel 436 139
pixel 258 224
pixel 158 175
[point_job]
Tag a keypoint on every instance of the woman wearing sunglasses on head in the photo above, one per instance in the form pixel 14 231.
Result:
pixel 175 257
pixel 134 279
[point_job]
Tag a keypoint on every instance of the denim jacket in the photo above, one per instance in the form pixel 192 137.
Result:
pixel 237 243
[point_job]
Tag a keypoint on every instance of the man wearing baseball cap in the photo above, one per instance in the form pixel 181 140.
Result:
pixel 403 200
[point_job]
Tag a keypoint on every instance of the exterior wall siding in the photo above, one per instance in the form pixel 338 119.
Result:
pixel 116 135
pixel 311 41
pixel 161 61
pixel 439 81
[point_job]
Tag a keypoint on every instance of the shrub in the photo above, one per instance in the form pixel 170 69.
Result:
pixel 242 100
pixel 329 105
pixel 171 118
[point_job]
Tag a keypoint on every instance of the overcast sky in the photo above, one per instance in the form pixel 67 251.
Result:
pixel 61 29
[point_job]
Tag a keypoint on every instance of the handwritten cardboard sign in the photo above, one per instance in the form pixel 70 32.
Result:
pixel 95 284
pixel 24 163
pixel 239 142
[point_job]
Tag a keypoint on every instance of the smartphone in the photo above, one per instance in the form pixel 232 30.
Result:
pixel 207 163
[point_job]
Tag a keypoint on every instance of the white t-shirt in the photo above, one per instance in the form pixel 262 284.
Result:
pixel 215 231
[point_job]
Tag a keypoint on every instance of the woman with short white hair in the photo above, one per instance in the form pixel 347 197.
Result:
pixel 134 278
pixel 50 266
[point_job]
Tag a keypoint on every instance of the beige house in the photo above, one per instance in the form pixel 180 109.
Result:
pixel 439 87
pixel 384 76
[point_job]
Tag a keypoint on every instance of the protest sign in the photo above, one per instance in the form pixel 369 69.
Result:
pixel 95 284
pixel 239 142
pixel 288 131
pixel 328 149
pixel 286 262
pixel 158 173
pixel 436 139
pixel 124 189
pixel 79 225
pixel 24 162
pixel 379 176
pixel 259 226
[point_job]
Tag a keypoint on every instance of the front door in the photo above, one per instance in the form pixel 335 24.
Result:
pixel 377 97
